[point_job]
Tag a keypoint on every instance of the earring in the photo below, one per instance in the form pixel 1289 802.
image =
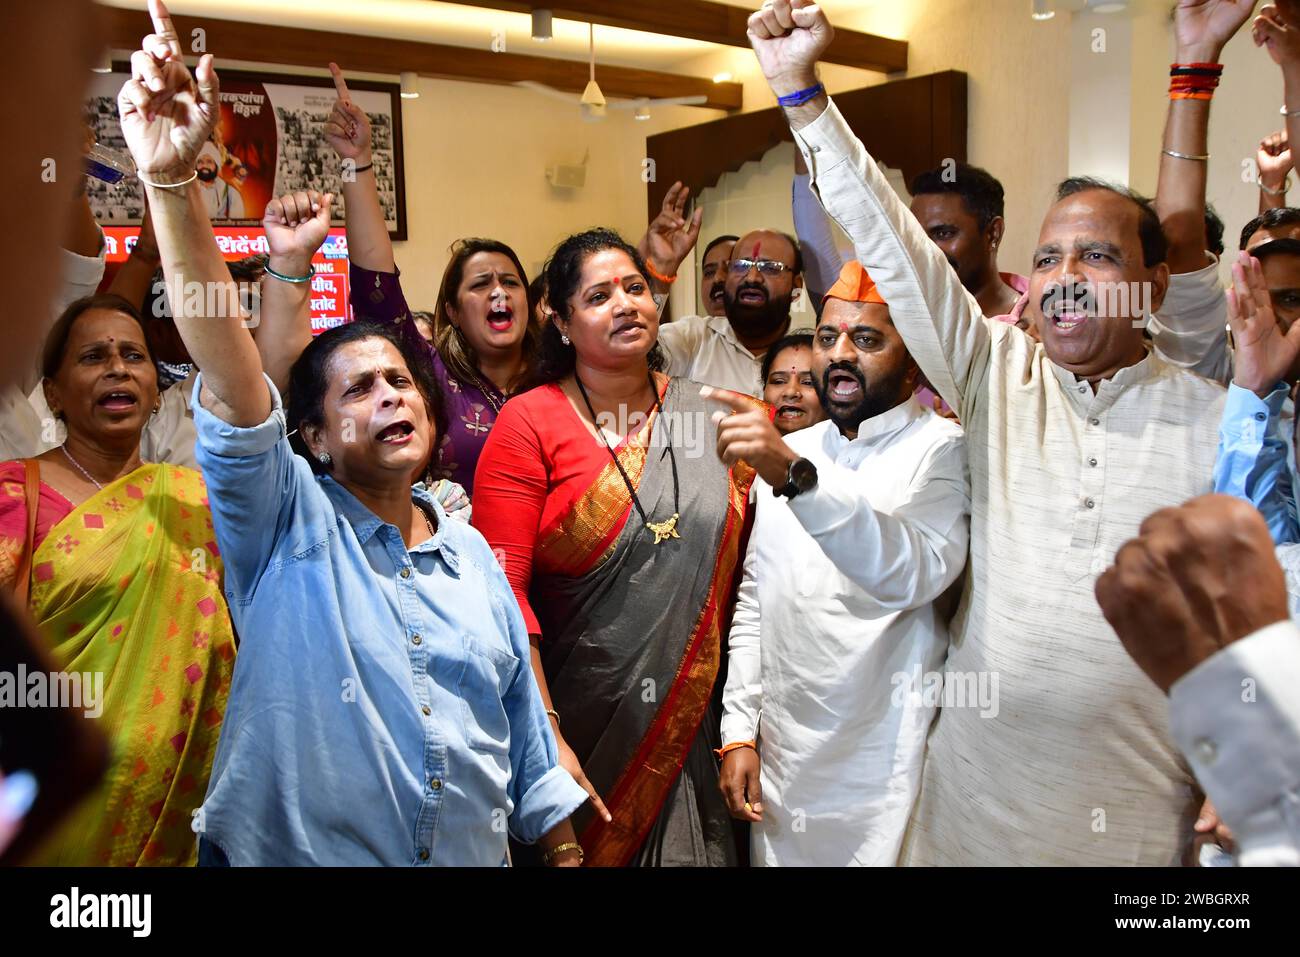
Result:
pixel 564 338
pixel 325 459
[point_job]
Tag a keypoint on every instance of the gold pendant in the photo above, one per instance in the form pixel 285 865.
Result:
pixel 664 530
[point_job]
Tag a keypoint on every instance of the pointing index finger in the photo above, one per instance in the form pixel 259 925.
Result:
pixel 162 25
pixel 738 402
pixel 340 84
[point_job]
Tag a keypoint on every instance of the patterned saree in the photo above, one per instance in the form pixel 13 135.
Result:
pixel 127 586
pixel 634 640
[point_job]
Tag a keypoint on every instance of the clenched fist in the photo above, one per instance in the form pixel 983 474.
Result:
pixel 1197 578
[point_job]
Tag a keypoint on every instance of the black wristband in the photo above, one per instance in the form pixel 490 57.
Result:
pixel 362 169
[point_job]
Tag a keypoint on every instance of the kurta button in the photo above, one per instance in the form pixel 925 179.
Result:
pixel 424 853
pixel 436 784
pixel 1206 751
pixel 1260 417
pixel 1090 503
pixel 1094 421
pixel 426 709
pixel 416 639
pixel 1092 462
pixel 406 572
pixel 1083 389
pixel 816 149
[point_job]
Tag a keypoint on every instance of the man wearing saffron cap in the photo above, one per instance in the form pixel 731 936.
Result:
pixel 861 525
pixel 220 198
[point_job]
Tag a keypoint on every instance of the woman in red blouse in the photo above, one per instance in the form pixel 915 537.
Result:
pixel 619 531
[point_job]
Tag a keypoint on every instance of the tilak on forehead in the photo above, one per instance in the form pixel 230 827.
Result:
pixel 758 244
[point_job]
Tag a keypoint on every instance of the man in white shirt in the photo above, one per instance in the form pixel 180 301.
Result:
pixel 836 636
pixel 1074 441
pixel 1200 603
pixel 763 277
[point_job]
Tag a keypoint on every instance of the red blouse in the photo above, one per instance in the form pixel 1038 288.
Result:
pixel 539 458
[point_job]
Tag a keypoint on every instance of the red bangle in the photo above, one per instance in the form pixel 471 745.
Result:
pixel 1197 66
pixel 656 274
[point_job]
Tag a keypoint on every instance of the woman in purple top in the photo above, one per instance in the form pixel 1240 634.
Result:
pixel 484 336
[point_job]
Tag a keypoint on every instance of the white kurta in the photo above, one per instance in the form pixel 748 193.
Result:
pixel 1078 766
pixel 834 628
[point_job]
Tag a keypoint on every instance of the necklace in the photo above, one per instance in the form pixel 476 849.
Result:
pixel 89 478
pixel 662 530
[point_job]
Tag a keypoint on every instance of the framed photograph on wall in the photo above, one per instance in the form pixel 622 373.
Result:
pixel 269 141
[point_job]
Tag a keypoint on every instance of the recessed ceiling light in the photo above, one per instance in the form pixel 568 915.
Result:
pixel 722 77
pixel 410 85
pixel 1042 10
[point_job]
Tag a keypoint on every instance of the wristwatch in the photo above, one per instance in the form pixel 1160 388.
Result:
pixel 800 477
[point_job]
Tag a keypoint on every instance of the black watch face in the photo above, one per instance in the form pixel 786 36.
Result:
pixel 803 474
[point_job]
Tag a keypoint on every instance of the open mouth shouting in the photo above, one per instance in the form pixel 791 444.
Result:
pixel 718 293
pixel 791 413
pixel 399 433
pixel 844 387
pixel 1068 307
pixel 751 295
pixel 118 400
pixel 501 316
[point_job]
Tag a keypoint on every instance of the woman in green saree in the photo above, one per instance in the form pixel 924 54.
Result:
pixel 117 560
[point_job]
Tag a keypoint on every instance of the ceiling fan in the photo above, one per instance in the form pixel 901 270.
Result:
pixel 593 101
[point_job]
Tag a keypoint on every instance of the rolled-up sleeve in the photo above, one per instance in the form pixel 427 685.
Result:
pixel 1252 461
pixel 251 477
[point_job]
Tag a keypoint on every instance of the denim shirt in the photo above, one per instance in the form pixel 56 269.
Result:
pixel 1256 458
pixel 382 710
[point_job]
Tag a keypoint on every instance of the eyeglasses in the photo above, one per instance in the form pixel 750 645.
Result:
pixel 768 267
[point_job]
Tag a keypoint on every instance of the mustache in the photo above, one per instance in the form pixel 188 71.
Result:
pixel 753 286
pixel 1057 295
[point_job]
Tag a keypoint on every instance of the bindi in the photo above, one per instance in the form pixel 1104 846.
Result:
pixel 844 327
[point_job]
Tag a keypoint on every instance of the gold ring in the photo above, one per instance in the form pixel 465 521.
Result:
pixel 749 808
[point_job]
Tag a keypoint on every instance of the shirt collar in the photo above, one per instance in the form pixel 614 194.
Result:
pixel 1148 367
pixel 365 522
pixel 886 423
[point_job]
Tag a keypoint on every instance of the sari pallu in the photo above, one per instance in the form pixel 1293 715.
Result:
pixel 632 640
pixel 128 586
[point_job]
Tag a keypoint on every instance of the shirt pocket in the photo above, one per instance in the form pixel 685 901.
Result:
pixel 487 675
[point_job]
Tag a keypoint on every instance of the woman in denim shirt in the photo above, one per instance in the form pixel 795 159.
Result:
pixel 379 712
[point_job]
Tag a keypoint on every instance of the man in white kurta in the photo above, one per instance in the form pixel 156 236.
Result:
pixel 836 626
pixel 1078 766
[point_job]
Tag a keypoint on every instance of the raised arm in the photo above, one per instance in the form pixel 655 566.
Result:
pixel 822 256
pixel 167 116
pixel 1277 29
pixel 670 237
pixel 1252 456
pixel 1274 161
pixel 136 274
pixel 296 224
pixel 348 131
pixel 1201 27
pixel 938 319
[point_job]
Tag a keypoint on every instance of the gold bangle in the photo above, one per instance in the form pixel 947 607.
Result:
pixel 554 714
pixel 561 848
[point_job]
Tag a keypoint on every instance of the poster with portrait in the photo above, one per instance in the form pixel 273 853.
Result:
pixel 269 141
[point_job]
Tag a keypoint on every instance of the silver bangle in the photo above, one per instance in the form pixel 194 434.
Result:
pixel 1199 157
pixel 1285 112
pixel 1286 184
pixel 193 176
